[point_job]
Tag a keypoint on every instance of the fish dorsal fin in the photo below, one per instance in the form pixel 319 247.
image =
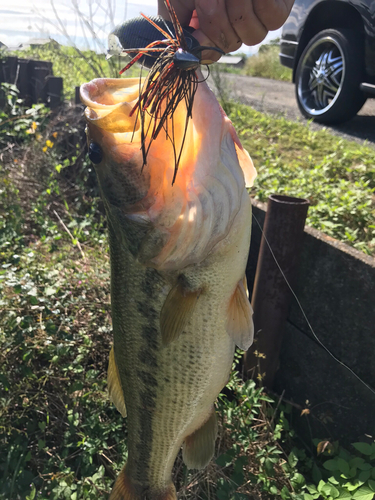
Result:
pixel 176 312
pixel 246 164
pixel 240 317
pixel 199 447
pixel 116 393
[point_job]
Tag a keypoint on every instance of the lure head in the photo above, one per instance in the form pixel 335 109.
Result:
pixel 185 60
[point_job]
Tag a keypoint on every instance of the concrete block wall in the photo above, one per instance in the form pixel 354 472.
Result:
pixel 336 288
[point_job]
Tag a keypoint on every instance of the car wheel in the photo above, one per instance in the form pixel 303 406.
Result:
pixel 328 77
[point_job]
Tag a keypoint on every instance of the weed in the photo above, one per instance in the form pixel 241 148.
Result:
pixel 75 70
pixel 336 175
pixel 16 123
pixel 266 64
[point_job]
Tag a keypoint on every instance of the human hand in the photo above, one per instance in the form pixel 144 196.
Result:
pixel 228 24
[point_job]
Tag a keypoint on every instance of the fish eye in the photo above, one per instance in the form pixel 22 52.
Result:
pixel 95 153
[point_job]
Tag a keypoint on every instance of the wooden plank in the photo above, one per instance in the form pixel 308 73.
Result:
pixel 39 73
pixel 54 91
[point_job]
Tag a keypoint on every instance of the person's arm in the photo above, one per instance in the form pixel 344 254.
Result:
pixel 228 24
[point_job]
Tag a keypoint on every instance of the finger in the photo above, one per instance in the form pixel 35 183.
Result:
pixel 272 13
pixel 207 56
pixel 215 24
pixel 194 21
pixel 187 17
pixel 245 21
pixel 183 9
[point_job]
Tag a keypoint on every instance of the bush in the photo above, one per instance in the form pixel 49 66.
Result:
pixel 18 124
pixel 266 64
pixel 336 175
pixel 77 67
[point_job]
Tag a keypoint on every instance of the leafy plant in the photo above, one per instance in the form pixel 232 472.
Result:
pixel 266 64
pixel 16 122
pixel 347 475
pixel 57 425
pixel 255 455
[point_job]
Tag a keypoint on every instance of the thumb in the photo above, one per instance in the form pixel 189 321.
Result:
pixel 208 56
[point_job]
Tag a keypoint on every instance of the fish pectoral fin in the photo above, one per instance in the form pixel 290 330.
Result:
pixel 116 393
pixel 199 447
pixel 244 159
pixel 176 312
pixel 240 325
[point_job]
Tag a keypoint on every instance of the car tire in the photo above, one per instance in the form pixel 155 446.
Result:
pixel 328 77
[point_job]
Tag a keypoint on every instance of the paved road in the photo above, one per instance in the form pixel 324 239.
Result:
pixel 278 98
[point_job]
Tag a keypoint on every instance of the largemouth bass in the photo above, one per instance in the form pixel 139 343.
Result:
pixel 178 288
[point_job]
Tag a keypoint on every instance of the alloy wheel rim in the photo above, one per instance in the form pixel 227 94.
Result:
pixel 321 76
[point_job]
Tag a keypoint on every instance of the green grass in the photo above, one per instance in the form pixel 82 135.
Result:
pixel 58 429
pixel 266 64
pixel 76 67
pixel 336 175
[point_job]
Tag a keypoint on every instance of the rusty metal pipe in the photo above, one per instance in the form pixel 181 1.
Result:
pixel 283 233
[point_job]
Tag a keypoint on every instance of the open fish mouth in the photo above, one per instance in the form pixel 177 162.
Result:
pixel 113 118
pixel 115 123
pixel 109 103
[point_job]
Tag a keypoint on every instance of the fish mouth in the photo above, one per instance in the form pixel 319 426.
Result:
pixel 109 103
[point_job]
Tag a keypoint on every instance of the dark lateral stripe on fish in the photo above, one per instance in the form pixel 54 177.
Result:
pixel 147 310
pixel 151 283
pixel 148 358
pixel 145 414
pixel 150 335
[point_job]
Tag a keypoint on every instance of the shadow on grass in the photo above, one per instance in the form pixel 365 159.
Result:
pixel 362 127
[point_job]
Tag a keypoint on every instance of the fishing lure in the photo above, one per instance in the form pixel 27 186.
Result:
pixel 173 56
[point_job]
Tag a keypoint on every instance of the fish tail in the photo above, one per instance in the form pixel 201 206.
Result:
pixel 124 490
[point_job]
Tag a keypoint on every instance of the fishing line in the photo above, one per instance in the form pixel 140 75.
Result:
pixel 306 318
pixel 208 74
pixel 168 28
